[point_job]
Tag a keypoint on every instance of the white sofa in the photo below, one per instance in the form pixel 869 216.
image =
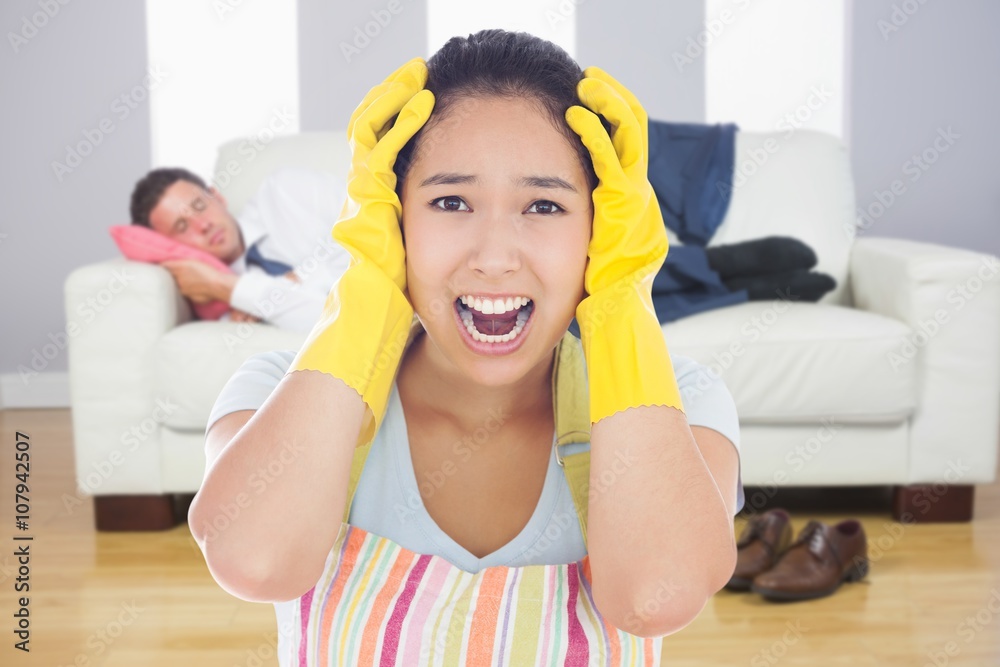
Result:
pixel 892 379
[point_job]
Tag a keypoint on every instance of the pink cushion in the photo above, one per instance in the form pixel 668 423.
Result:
pixel 142 244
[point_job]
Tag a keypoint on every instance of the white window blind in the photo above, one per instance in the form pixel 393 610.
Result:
pixel 774 65
pixel 230 70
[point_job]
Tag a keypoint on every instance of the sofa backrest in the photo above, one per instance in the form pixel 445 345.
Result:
pixel 241 166
pixel 794 184
pixel 788 184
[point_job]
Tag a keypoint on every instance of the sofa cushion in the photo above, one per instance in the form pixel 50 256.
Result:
pixel 193 362
pixel 794 362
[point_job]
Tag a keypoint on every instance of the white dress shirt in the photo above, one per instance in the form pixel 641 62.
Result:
pixel 292 217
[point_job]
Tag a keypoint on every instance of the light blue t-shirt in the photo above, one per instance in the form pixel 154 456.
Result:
pixel 387 501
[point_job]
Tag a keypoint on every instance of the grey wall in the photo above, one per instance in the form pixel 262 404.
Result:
pixel 939 70
pixel 635 41
pixel 59 85
pixel 344 50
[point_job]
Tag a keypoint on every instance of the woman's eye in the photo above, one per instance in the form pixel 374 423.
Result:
pixel 450 204
pixel 546 207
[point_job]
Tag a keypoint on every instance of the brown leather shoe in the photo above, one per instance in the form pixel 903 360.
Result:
pixel 817 562
pixel 763 539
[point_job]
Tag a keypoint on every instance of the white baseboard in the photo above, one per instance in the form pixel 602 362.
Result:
pixel 45 390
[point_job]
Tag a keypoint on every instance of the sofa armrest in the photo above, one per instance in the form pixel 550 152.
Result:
pixel 950 298
pixel 116 312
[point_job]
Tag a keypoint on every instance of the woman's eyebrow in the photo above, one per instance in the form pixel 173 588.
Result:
pixel 545 182
pixel 449 179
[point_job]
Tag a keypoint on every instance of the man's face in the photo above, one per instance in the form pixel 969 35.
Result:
pixel 507 211
pixel 198 218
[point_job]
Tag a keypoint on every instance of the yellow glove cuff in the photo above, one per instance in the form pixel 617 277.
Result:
pixel 363 332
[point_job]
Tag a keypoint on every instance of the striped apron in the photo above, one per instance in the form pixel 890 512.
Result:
pixel 378 603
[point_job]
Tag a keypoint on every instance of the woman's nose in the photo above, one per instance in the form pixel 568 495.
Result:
pixel 497 247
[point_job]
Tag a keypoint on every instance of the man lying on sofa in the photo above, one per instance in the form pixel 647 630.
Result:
pixel 283 257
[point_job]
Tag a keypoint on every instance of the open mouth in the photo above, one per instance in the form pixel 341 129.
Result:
pixel 495 327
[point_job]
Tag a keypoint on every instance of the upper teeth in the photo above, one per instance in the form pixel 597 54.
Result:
pixel 494 306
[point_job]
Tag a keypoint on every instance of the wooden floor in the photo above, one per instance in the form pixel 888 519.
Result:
pixel 147 599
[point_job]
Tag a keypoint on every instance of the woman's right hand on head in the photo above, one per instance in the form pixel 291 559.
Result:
pixel 371 219
pixel 366 320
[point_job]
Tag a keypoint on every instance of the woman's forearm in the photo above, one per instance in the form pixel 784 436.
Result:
pixel 271 504
pixel 660 537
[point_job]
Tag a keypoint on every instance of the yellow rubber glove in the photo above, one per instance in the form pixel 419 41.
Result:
pixel 628 364
pixel 367 316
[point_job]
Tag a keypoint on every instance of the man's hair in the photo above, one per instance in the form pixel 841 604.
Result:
pixel 150 188
pixel 500 63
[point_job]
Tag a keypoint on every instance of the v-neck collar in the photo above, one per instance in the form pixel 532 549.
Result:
pixel 400 444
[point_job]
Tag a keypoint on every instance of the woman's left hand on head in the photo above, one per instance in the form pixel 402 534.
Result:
pixel 629 238
pixel 628 364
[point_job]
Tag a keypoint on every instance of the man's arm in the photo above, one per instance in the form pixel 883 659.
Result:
pixel 200 282
pixel 293 212
pixel 288 302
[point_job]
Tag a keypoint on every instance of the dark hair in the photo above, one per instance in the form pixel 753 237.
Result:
pixel 499 63
pixel 148 191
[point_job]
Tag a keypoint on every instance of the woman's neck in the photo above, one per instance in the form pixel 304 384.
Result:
pixel 438 392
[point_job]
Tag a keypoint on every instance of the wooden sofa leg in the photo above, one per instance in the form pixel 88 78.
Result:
pixel 932 503
pixel 140 512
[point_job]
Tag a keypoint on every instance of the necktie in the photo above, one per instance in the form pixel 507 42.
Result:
pixel 272 267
